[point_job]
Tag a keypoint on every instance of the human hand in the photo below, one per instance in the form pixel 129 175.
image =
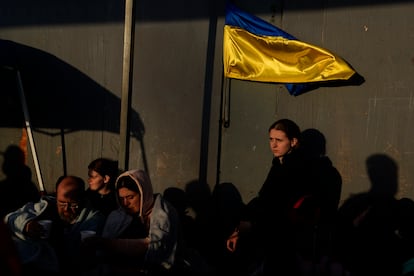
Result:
pixel 34 230
pixel 231 242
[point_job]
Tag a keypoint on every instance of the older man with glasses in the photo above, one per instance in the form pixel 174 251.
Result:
pixel 57 251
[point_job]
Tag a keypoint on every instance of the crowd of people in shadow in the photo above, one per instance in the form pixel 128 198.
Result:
pixel 115 224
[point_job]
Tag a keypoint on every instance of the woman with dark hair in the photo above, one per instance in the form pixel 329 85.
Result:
pixel 268 219
pixel 102 173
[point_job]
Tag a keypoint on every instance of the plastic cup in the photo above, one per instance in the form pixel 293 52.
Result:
pixel 47 226
pixel 87 233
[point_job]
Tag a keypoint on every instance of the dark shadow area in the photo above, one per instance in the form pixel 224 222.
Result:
pixel 315 216
pixel 195 262
pixel 328 180
pixel 313 142
pixel 58 95
pixel 179 199
pixel 383 174
pixel 17 188
pixel 371 225
pixel 227 207
pixel 10 263
pixel 60 99
pixel 216 215
pixel 48 12
pixel 199 199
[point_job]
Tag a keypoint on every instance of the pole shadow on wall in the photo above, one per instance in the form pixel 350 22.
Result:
pixel 59 97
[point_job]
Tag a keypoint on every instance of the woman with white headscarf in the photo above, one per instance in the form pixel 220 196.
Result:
pixel 142 235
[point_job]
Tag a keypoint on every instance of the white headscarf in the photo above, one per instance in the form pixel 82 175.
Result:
pixel 144 185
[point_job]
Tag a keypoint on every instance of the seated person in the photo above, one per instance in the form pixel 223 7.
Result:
pixel 102 173
pixel 142 235
pixel 58 251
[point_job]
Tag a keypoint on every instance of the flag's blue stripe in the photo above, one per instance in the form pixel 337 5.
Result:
pixel 297 89
pixel 238 18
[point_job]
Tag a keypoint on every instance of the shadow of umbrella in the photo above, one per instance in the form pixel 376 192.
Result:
pixel 59 97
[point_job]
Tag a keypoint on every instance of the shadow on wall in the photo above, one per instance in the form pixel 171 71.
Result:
pixel 17 188
pixel 383 174
pixel 59 97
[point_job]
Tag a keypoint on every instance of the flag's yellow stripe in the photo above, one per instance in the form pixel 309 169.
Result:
pixel 276 59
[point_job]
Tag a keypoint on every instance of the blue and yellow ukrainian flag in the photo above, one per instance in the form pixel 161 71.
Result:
pixel 256 50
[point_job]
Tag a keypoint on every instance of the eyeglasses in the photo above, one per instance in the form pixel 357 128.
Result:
pixel 72 205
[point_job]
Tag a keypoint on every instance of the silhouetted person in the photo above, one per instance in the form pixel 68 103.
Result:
pixel 314 239
pixel 17 188
pixel 199 197
pixel 189 261
pixel 327 178
pixel 227 208
pixel 368 223
pixel 406 234
pixel 179 199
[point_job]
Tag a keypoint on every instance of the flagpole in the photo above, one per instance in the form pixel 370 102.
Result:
pixel 29 133
pixel 126 84
pixel 224 121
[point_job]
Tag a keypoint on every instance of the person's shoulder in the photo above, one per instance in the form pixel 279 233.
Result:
pixel 161 201
pixel 406 203
pixel 92 213
pixel 118 216
pixel 296 158
pixel 356 202
pixel 163 205
pixel 49 198
pixel 158 197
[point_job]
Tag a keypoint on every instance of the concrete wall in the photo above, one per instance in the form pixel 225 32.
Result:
pixel 357 121
pixel 70 58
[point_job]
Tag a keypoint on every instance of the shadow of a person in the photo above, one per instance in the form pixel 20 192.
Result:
pixel 368 223
pixel 178 198
pixel 316 214
pixel 328 181
pixel 17 188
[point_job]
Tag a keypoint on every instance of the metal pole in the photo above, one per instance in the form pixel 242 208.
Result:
pixel 126 84
pixel 29 133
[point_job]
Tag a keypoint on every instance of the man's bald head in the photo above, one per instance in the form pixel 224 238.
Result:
pixel 70 196
pixel 70 186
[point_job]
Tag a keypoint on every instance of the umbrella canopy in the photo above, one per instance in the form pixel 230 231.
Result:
pixel 58 95
pixel 59 98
